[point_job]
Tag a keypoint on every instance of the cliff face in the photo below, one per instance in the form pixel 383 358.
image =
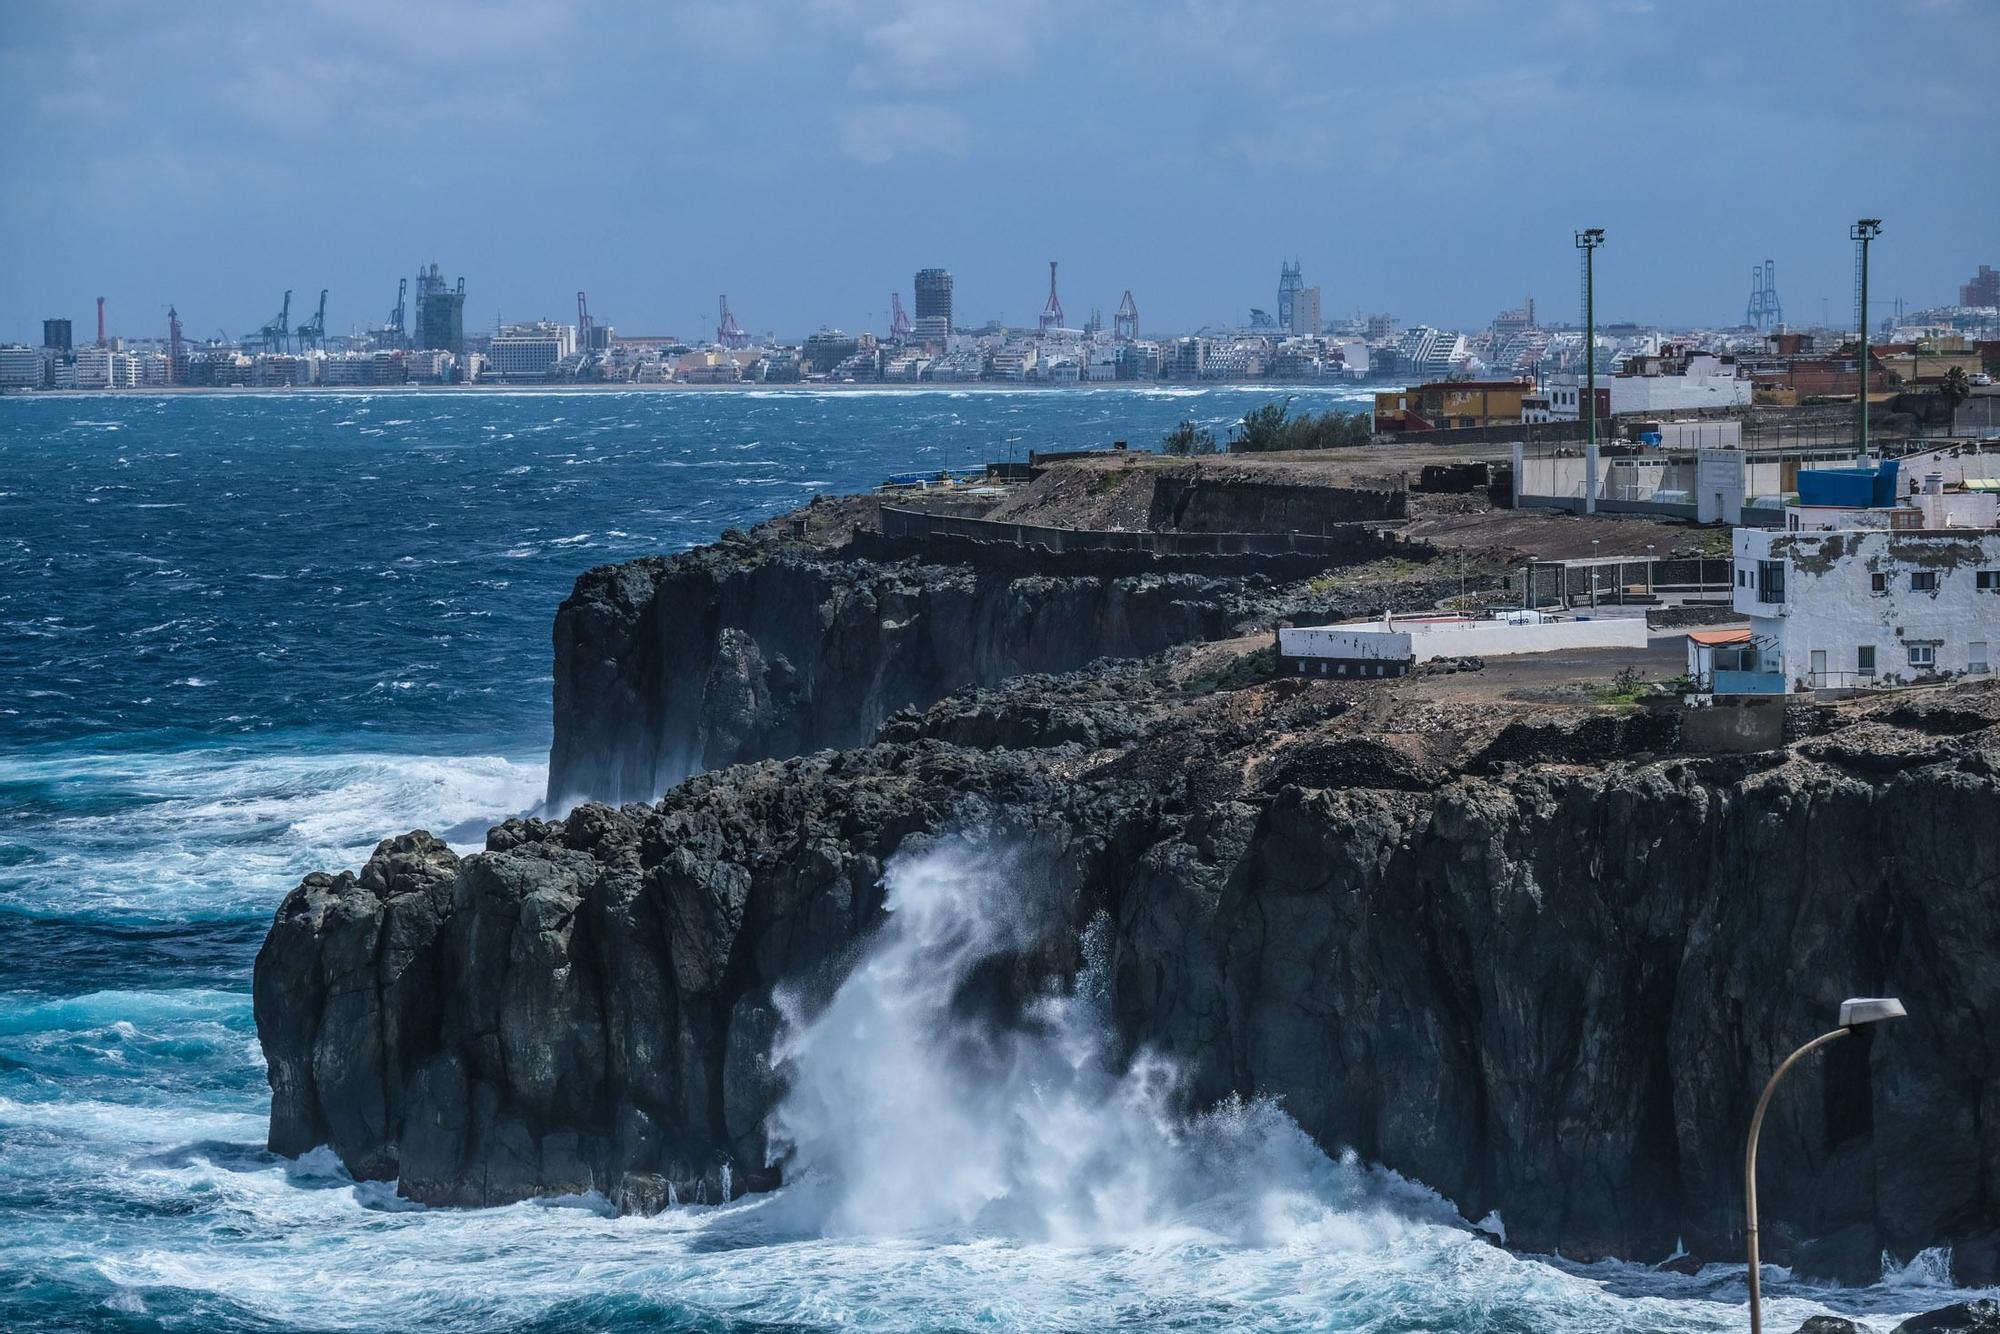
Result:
pixel 741 651
pixel 1543 987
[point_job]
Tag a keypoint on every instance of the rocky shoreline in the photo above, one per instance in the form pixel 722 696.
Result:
pixel 1528 954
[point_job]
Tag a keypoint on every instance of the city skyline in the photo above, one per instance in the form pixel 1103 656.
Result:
pixel 212 160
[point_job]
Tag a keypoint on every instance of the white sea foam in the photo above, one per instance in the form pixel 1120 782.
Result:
pixel 955 1176
pixel 216 832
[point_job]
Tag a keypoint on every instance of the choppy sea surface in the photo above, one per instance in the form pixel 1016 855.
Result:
pixel 244 637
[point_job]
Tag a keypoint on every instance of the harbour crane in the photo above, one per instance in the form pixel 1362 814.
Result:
pixel 275 336
pixel 1125 324
pixel 313 332
pixel 899 321
pixel 1052 311
pixel 728 332
pixel 583 322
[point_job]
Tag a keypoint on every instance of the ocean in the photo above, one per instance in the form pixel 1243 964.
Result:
pixel 244 637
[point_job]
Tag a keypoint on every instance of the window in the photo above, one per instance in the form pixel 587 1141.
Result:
pixel 1878 583
pixel 1743 578
pixel 1923 581
pixel 1975 656
pixel 1988 581
pixel 1770 581
pixel 1864 660
pixel 1923 656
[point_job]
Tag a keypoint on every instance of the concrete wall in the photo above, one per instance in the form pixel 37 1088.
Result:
pixel 1200 505
pixel 1369 643
pixel 1830 602
pixel 1338 539
pixel 1421 642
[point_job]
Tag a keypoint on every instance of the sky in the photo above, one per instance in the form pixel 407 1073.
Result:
pixel 1426 158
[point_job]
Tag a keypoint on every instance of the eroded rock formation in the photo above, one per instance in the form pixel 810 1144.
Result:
pixel 1541 980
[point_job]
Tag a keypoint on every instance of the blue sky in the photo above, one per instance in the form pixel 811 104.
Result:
pixel 1425 157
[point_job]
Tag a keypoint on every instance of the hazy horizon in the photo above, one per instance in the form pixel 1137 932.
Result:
pixel 1429 160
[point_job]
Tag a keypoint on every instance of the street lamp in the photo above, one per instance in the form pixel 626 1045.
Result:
pixel 1854 1014
pixel 1862 232
pixel 1587 241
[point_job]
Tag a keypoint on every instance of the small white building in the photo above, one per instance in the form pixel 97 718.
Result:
pixel 1886 595
pixel 1675 380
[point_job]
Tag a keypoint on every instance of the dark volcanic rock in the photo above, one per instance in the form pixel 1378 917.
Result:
pixel 1981 1314
pixel 742 651
pixel 1830 1324
pixel 1552 990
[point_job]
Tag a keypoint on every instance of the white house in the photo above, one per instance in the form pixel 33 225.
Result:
pixel 1874 596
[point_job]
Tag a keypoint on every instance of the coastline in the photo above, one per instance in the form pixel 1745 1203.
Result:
pixel 1167 388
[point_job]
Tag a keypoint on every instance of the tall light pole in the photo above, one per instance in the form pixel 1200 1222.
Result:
pixel 1587 241
pixel 1862 232
pixel 1854 1015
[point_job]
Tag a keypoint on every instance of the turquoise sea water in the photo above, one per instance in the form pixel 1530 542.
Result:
pixel 242 638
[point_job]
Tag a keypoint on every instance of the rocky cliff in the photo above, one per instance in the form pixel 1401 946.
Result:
pixel 747 650
pixel 763 646
pixel 1499 949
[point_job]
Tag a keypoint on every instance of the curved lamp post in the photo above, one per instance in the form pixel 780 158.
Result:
pixel 1854 1014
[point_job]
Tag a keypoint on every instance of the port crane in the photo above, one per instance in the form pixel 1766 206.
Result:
pixel 313 332
pixel 899 321
pixel 583 322
pixel 1125 324
pixel 728 332
pixel 275 336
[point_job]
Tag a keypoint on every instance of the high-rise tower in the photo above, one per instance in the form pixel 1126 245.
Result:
pixel 440 313
pixel 933 321
pixel 1291 281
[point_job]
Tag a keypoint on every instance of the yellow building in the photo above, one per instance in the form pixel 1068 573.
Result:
pixel 1445 404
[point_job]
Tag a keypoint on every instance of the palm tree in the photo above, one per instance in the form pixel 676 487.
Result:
pixel 1954 390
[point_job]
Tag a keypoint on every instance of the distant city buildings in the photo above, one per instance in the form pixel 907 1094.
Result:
pixel 1640 370
pixel 1983 290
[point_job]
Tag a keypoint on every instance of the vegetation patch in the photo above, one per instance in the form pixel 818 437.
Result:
pixel 1246 669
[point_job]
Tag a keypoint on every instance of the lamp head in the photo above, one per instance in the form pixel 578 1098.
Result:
pixel 1862 1011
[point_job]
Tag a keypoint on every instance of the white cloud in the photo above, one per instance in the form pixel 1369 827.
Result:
pixel 928 47
pixel 876 133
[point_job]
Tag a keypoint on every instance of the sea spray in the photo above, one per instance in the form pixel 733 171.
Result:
pixel 911 1110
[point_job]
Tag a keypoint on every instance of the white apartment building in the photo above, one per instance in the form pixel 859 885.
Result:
pixel 1873 596
pixel 1306 322
pixel 20 367
pixel 530 350
pixel 102 368
pixel 1673 381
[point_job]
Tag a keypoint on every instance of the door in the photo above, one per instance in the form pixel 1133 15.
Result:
pixel 1819 667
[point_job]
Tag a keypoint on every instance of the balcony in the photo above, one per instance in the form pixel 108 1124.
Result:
pixel 1749 683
